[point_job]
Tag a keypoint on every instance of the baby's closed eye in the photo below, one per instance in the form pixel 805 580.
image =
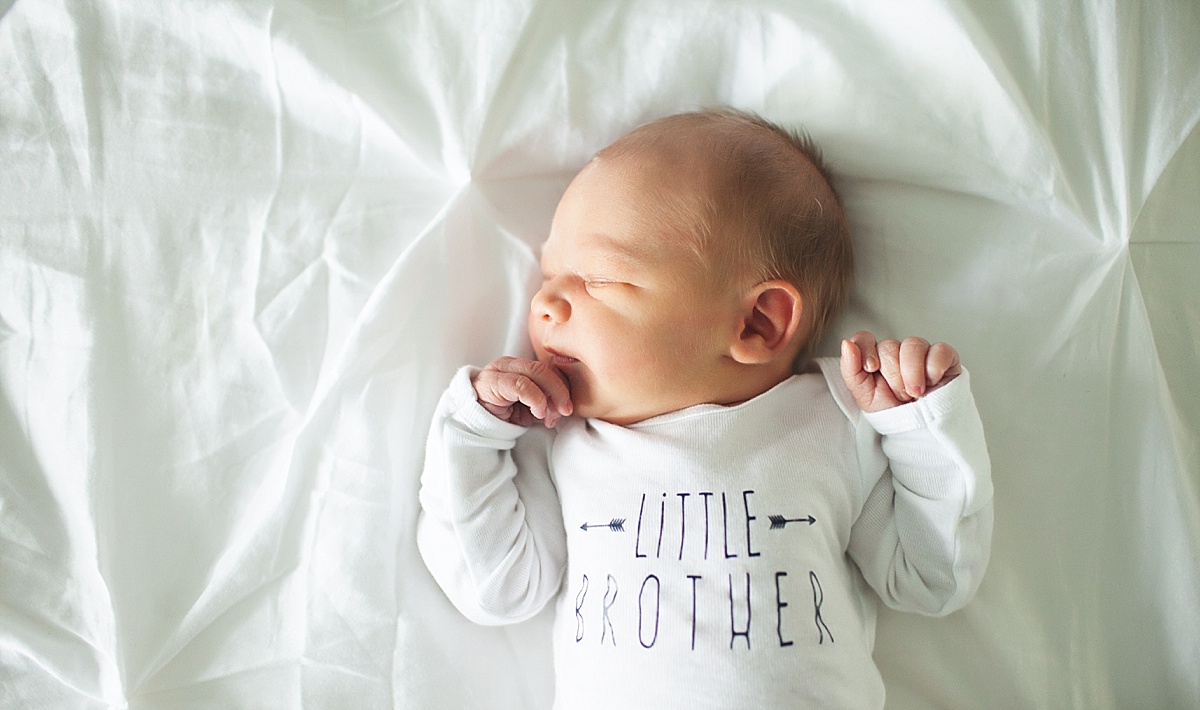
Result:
pixel 606 287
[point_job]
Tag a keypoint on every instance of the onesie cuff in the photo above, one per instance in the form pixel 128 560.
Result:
pixel 465 408
pixel 924 411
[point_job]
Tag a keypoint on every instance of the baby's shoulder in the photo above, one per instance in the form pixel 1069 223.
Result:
pixel 824 375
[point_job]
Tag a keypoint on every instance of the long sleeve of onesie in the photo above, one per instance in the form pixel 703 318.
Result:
pixel 923 537
pixel 490 530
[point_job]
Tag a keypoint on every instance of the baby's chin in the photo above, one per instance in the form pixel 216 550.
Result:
pixel 584 407
pixel 614 407
pixel 621 416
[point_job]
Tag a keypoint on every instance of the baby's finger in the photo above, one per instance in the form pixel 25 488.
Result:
pixel 488 390
pixel 554 384
pixel 913 354
pixel 529 394
pixel 852 361
pixel 501 388
pixel 942 365
pixel 864 340
pixel 889 367
pixel 856 379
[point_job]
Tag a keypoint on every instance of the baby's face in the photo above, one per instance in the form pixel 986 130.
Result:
pixel 626 311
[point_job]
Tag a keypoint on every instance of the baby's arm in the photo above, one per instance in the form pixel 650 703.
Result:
pixel 490 528
pixel 923 536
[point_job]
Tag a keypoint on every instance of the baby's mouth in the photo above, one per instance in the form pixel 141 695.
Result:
pixel 559 359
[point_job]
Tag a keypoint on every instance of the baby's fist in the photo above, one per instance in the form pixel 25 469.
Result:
pixel 889 373
pixel 521 391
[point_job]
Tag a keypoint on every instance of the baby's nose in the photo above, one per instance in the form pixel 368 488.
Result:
pixel 548 305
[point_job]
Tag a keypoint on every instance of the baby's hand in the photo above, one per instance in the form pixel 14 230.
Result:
pixel 522 391
pixel 891 373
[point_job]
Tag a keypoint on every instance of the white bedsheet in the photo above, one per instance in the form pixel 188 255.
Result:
pixel 244 243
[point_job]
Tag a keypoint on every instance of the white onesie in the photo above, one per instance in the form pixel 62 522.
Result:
pixel 715 556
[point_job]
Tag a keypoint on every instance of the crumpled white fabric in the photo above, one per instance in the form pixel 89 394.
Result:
pixel 244 244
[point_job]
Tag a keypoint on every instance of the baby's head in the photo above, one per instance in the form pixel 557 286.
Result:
pixel 692 261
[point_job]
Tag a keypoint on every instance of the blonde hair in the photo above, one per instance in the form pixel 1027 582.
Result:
pixel 770 190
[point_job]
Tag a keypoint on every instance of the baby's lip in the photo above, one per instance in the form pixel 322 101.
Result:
pixel 558 357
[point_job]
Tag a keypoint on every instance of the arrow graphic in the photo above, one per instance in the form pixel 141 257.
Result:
pixel 778 522
pixel 615 525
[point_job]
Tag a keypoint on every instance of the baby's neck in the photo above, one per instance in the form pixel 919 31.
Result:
pixel 739 384
pixel 752 385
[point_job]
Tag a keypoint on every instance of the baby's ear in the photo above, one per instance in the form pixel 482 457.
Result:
pixel 770 320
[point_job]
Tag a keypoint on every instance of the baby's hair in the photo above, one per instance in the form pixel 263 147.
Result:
pixel 771 191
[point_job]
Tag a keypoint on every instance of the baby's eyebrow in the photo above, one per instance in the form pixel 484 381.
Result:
pixel 620 250
pixel 640 250
pixel 612 249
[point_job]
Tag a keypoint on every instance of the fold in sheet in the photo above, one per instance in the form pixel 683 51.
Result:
pixel 243 246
